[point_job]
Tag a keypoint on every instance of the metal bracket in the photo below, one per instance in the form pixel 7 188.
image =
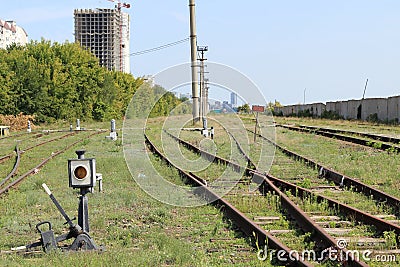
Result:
pixel 48 239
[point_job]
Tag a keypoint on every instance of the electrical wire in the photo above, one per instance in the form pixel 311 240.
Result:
pixel 158 48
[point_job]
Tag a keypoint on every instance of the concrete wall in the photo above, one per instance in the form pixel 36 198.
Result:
pixel 352 109
pixel 318 108
pixel 330 106
pixel 387 109
pixel 394 108
pixel 371 106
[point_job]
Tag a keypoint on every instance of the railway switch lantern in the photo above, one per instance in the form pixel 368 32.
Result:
pixel 82 172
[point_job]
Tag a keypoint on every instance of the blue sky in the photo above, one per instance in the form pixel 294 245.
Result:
pixel 328 47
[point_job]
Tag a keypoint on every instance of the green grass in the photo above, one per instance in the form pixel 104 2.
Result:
pixel 136 229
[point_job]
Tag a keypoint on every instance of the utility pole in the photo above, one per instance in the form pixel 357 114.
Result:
pixel 203 93
pixel 304 96
pixel 193 44
pixel 206 87
pixel 365 89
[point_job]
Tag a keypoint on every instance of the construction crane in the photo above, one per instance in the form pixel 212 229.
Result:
pixel 119 6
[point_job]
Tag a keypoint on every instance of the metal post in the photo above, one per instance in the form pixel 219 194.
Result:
pixel 83 214
pixel 203 94
pixel 113 134
pixel 112 125
pixel 99 178
pixel 193 43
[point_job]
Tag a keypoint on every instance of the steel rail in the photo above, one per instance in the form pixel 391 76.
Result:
pixel 209 156
pixel 320 236
pixel 48 141
pixel 250 163
pixel 340 179
pixel 351 139
pixel 15 135
pixel 40 165
pixel 349 211
pixel 246 225
pixel 6 157
pixel 20 152
pixel 376 137
pixel 15 168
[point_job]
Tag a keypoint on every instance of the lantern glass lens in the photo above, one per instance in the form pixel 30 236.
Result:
pixel 80 172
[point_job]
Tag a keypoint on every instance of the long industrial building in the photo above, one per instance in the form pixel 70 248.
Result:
pixel 106 32
pixel 10 34
pixel 381 109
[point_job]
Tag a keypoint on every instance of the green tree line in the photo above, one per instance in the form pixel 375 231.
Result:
pixel 56 81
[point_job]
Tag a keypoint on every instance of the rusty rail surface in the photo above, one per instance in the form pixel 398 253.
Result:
pixel 340 179
pixel 20 152
pixel 349 211
pixel 376 137
pixel 320 236
pixel 15 168
pixel 44 162
pixel 351 139
pixel 246 225
pixel 6 157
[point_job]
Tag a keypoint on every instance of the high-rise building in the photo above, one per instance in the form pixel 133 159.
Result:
pixel 233 100
pixel 106 33
pixel 10 34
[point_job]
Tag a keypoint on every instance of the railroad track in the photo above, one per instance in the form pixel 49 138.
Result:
pixel 268 184
pixel 17 135
pixel 382 225
pixel 9 183
pixel 385 143
pixel 245 224
pixel 343 182
pixel 376 137
pixel 338 178
pixel 32 135
pixel 19 152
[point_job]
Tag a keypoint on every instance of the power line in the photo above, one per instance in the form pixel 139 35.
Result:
pixel 158 48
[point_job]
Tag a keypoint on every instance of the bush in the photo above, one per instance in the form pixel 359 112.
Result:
pixel 373 118
pixel 331 115
pixel 17 122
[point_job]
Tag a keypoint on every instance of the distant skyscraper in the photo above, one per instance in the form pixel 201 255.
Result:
pixel 10 34
pixel 106 33
pixel 233 100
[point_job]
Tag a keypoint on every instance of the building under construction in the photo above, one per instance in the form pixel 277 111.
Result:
pixel 106 33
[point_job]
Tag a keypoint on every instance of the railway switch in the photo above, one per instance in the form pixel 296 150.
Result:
pixel 82 175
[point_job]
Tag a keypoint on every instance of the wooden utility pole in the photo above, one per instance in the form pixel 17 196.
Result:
pixel 257 109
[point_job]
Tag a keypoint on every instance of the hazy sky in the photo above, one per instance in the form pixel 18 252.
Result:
pixel 328 47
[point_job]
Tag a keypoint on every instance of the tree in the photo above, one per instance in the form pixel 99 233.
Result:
pixel 61 81
pixel 244 108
